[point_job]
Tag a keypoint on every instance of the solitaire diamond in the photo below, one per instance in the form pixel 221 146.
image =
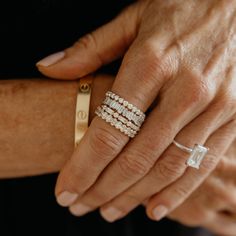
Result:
pixel 196 156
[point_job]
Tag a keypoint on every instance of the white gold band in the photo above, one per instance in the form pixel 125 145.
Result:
pixel 197 154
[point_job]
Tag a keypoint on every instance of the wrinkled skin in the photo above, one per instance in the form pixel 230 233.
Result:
pixel 182 52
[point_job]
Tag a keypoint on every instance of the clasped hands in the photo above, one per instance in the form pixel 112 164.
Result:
pixel 179 59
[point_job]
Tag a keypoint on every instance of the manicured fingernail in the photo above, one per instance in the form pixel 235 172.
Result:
pixel 66 198
pixel 79 209
pixel 111 214
pixel 52 59
pixel 159 212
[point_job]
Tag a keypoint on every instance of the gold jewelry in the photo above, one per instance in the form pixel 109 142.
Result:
pixel 82 108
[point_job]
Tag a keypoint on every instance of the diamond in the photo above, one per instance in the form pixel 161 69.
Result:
pixel 118 105
pixel 116 115
pixel 129 115
pixel 121 100
pixel 108 118
pixel 120 109
pixel 129 123
pixel 112 104
pixel 196 156
pixel 125 103
pixel 130 106
pixel 116 97
pixel 125 112
pixel 118 125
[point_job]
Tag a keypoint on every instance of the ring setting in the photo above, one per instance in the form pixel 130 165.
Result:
pixel 121 114
pixel 197 154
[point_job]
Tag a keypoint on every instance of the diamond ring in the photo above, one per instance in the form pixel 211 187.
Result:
pixel 197 154
pixel 121 114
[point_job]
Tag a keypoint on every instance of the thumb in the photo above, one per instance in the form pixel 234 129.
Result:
pixel 95 49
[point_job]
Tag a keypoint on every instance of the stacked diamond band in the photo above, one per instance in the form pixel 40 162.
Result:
pixel 121 114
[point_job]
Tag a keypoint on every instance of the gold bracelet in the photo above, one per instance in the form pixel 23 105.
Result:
pixel 82 108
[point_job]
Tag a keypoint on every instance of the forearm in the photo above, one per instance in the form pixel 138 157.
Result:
pixel 37 125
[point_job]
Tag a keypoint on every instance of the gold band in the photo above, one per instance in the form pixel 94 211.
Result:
pixel 82 108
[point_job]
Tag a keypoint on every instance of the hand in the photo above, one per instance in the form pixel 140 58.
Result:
pixel 35 140
pixel 184 53
pixel 213 205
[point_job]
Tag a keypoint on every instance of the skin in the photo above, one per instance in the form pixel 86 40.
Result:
pixel 33 139
pixel 211 205
pixel 182 52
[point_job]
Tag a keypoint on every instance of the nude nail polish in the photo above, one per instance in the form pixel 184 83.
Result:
pixel 159 212
pixel 66 198
pixel 111 214
pixel 79 209
pixel 52 59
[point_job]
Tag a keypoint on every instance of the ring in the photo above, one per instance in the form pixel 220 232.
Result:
pixel 121 114
pixel 197 154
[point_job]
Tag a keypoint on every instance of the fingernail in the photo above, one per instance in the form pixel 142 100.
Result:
pixel 79 209
pixel 159 212
pixel 111 214
pixel 66 198
pixel 52 59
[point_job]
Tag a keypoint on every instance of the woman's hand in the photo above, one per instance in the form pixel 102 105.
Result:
pixel 213 205
pixel 37 123
pixel 184 53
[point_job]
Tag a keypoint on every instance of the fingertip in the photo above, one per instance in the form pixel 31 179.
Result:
pixel 51 59
pixel 66 198
pixel 149 212
pixel 58 72
pixel 63 65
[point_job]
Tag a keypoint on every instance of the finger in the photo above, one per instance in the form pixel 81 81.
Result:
pixel 168 168
pixel 214 196
pixel 177 193
pixel 102 142
pixel 138 157
pixel 170 165
pixel 92 51
pixel 226 169
pixel 222 225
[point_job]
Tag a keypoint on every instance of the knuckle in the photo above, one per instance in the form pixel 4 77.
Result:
pixel 210 162
pixel 88 41
pixel 169 169
pixel 104 143
pixel 181 191
pixel 135 163
pixel 228 101
pixel 153 62
pixel 201 93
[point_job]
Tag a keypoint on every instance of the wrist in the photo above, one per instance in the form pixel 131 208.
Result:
pixel 37 123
